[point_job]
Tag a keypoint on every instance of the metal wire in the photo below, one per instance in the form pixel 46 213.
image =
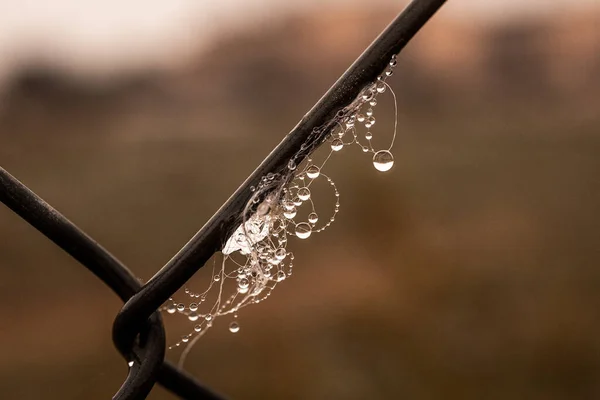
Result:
pixel 138 331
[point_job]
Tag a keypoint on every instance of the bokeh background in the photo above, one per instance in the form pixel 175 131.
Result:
pixel 469 271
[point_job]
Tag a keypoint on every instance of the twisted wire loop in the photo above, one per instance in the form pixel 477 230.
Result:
pixel 148 352
pixel 138 330
pixel 310 132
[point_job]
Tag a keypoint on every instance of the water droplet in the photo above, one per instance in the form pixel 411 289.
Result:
pixel 130 363
pixel 369 112
pixel 180 307
pixel 393 62
pixel 171 309
pixel 313 218
pixel 360 118
pixel 383 160
pixel 373 103
pixel 313 172
pixel 297 201
pixel 370 121
pixel 365 149
pixel 243 283
pixel 368 136
pixel 288 205
pixel 208 317
pixel 193 317
pixel 197 328
pixel 242 290
pixel 368 95
pixel 289 214
pixel 304 193
pixel 193 307
pixel 292 165
pixel 280 276
pixel 234 327
pixel 303 230
pixel 217 278
pixel 389 72
pixel 337 145
pixel 280 253
pixel 380 87
pixel 185 338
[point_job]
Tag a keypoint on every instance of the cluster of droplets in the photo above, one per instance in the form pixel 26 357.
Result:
pixel 255 258
pixel 361 112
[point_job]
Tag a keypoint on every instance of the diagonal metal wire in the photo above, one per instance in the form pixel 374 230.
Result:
pixel 138 331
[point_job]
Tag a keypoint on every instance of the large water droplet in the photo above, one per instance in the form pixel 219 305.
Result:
pixel 337 145
pixel 368 136
pixel 313 172
pixel 280 253
pixel 185 338
pixel 193 316
pixel 180 307
pixel 304 193
pixel 243 283
pixel 313 218
pixel 193 307
pixel 289 214
pixel 234 327
pixel 171 309
pixel 297 201
pixel 383 160
pixel 380 87
pixel 197 328
pixel 303 230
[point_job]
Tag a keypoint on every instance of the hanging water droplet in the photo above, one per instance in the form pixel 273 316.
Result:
pixel 280 253
pixel 303 230
pixel 370 121
pixel 185 338
pixel 368 95
pixel 297 201
pixel 292 165
pixel 360 118
pixel 243 283
pixel 369 112
pixel 380 87
pixel 389 72
pixel 217 278
pixel 393 61
pixel 193 317
pixel 193 307
pixel 171 308
pixel 234 327
pixel 313 218
pixel 180 307
pixel 289 214
pixel 368 136
pixel 242 290
pixel 208 317
pixel 288 205
pixel 373 103
pixel 365 149
pixel 197 328
pixel 304 193
pixel 383 160
pixel 280 276
pixel 313 171
pixel 337 145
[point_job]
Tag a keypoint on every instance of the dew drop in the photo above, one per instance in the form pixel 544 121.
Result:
pixel 171 309
pixel 365 149
pixel 373 103
pixel 304 193
pixel 193 307
pixel 185 338
pixel 303 230
pixel 389 73
pixel 289 214
pixel 280 276
pixel 292 165
pixel 313 218
pixel 380 87
pixel 243 283
pixel 193 317
pixel 197 328
pixel 208 317
pixel 242 290
pixel 368 136
pixel 383 160
pixel 337 145
pixel 280 253
pixel 180 307
pixel 234 327
pixel 360 117
pixel 313 172
pixel 217 278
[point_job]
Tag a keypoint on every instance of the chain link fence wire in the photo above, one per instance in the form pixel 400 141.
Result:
pixel 138 330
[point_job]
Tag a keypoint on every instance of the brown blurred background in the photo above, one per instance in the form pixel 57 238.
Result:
pixel 470 271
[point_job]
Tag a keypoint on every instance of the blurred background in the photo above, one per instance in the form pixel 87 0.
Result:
pixel 469 271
